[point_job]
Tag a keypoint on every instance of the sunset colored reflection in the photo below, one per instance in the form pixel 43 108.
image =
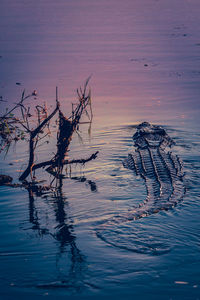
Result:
pixel 143 57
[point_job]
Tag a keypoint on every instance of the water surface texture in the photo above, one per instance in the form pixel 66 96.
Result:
pixel 145 64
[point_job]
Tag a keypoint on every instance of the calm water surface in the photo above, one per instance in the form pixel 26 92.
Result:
pixel 145 60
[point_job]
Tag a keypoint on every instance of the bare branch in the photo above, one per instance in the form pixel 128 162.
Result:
pixel 11 130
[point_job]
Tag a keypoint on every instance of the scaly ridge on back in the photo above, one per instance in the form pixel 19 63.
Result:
pixel 159 168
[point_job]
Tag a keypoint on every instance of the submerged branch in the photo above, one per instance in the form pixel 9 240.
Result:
pixel 82 161
pixel 33 134
pixel 14 128
pixel 65 162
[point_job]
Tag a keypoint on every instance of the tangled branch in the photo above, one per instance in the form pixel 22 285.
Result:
pixel 17 126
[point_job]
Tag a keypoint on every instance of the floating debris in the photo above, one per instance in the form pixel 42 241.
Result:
pixel 34 93
pixel 181 282
pixel 4 179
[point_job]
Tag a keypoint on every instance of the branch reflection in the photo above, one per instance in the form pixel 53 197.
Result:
pixel 62 232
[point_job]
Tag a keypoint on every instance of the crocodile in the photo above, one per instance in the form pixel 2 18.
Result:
pixel 161 170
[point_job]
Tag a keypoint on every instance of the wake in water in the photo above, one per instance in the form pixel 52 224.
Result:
pixel 160 169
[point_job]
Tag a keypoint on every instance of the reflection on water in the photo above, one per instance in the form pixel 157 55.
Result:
pixel 141 53
pixel 63 234
pixel 90 183
pixel 144 57
pixel 56 247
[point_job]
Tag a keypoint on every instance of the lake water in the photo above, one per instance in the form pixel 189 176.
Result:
pixel 144 57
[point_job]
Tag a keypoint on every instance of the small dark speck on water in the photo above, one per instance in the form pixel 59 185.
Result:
pixel 146 65
pixel 18 83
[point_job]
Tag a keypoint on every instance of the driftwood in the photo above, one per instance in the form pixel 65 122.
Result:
pixel 5 179
pixel 32 142
pixel 10 124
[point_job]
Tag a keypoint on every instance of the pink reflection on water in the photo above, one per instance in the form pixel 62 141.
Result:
pixel 136 50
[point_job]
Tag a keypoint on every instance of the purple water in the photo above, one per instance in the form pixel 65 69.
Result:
pixel 145 64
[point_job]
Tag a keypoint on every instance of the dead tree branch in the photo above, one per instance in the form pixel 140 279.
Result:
pixel 10 130
pixel 33 134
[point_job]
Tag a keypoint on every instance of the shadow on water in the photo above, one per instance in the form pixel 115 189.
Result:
pixel 63 234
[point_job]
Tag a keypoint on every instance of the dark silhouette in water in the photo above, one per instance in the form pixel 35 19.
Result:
pixel 19 123
pixel 161 171
pixel 90 183
pixel 62 232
